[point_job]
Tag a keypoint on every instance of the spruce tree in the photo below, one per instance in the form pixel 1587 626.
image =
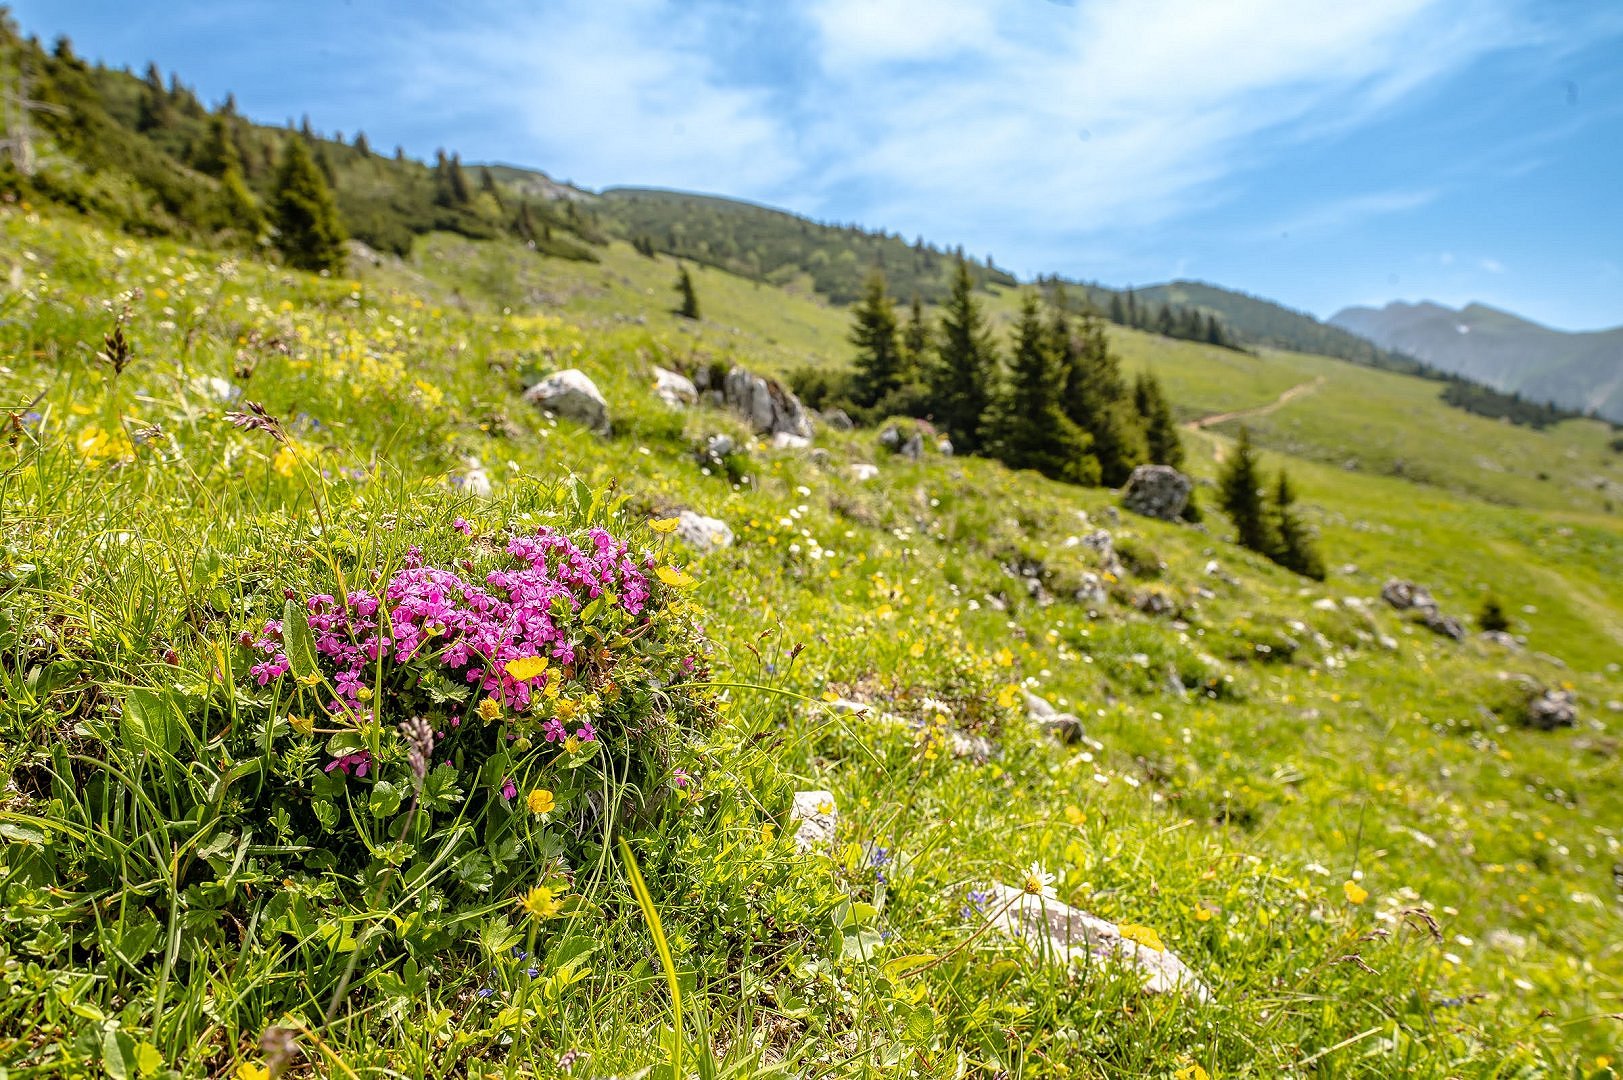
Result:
pixel 155 107
pixel 965 362
pixel 688 300
pixel 915 340
pixel 308 230
pixel 873 332
pixel 1294 546
pixel 1098 400
pixel 1239 487
pixel 1026 428
pixel 1160 433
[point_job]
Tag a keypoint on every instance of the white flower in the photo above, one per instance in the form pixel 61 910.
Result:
pixel 1039 882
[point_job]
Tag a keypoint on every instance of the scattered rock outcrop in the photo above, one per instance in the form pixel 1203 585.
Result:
pixel 674 388
pixel 1062 934
pixel 1407 596
pixel 862 471
pixel 1157 491
pixel 766 403
pixel 572 395
pixel 838 419
pixel 702 533
pixel 1553 709
pixel 472 479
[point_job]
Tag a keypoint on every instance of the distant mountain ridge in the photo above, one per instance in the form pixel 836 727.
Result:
pixel 1582 371
pixel 1260 321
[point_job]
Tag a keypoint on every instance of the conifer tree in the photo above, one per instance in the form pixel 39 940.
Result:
pixel 1098 400
pixel 1026 428
pixel 156 111
pixel 309 232
pixel 457 182
pixel 362 145
pixel 1162 444
pixel 237 207
pixel 487 184
pixel 915 340
pixel 873 332
pixel 1118 310
pixel 965 361
pixel 688 299
pixel 1294 546
pixel 1239 487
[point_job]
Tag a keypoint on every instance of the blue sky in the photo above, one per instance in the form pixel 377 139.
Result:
pixel 1320 154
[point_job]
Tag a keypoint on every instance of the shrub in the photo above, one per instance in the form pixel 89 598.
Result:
pixel 1492 617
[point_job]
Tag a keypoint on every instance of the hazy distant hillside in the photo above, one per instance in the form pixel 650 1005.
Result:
pixel 1262 322
pixel 1581 371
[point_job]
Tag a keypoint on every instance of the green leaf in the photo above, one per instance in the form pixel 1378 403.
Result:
pixel 385 799
pixel 297 643
pixel 440 791
pixel 152 722
pixel 148 1059
pixel 117 1053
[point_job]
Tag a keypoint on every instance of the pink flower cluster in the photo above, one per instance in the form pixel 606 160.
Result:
pixel 438 617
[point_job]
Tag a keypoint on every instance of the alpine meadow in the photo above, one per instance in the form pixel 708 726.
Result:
pixel 458 623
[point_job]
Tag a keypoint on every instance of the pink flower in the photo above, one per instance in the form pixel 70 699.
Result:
pixel 360 761
pixel 509 789
pixel 461 525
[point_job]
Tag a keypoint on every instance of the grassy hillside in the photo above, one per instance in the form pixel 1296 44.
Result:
pixel 1336 818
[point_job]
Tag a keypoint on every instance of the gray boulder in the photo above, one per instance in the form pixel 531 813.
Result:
pixel 891 438
pixel 1157 491
pixel 837 419
pixel 675 389
pixel 766 403
pixel 572 395
pixel 1065 727
pixel 913 448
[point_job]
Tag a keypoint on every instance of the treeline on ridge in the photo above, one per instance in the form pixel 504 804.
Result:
pixel 145 154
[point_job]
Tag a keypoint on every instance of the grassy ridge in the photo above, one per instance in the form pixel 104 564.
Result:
pixel 1230 818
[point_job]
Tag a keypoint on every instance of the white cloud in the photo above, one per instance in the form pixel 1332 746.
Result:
pixel 1029 123
pixel 1492 266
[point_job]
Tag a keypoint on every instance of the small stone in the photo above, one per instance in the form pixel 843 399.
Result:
pixel 674 388
pixel 1062 934
pixel 1553 709
pixel 1065 727
pixel 784 440
pixel 818 817
pixel 838 419
pixel 863 471
pixel 702 533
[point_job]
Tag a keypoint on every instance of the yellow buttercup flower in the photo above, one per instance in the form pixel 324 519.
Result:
pixel 489 709
pixel 1356 893
pixel 663 525
pixel 1143 935
pixel 1191 1072
pixel 673 577
pixel 527 667
pixel 541 903
pixel 249 1071
pixel 541 801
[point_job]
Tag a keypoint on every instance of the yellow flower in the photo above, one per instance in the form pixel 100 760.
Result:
pixel 663 525
pixel 1143 935
pixel 541 903
pixel 285 461
pixel 1007 696
pixel 1074 814
pixel 1356 893
pixel 489 709
pixel 566 709
pixel 301 724
pixel 916 649
pixel 1004 658
pixel 249 1071
pixel 540 801
pixel 673 577
pixel 1191 1072
pixel 767 829
pixel 526 667
pixel 571 745
pixel 1203 913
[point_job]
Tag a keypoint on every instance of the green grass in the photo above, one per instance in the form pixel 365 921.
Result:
pixel 1227 818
